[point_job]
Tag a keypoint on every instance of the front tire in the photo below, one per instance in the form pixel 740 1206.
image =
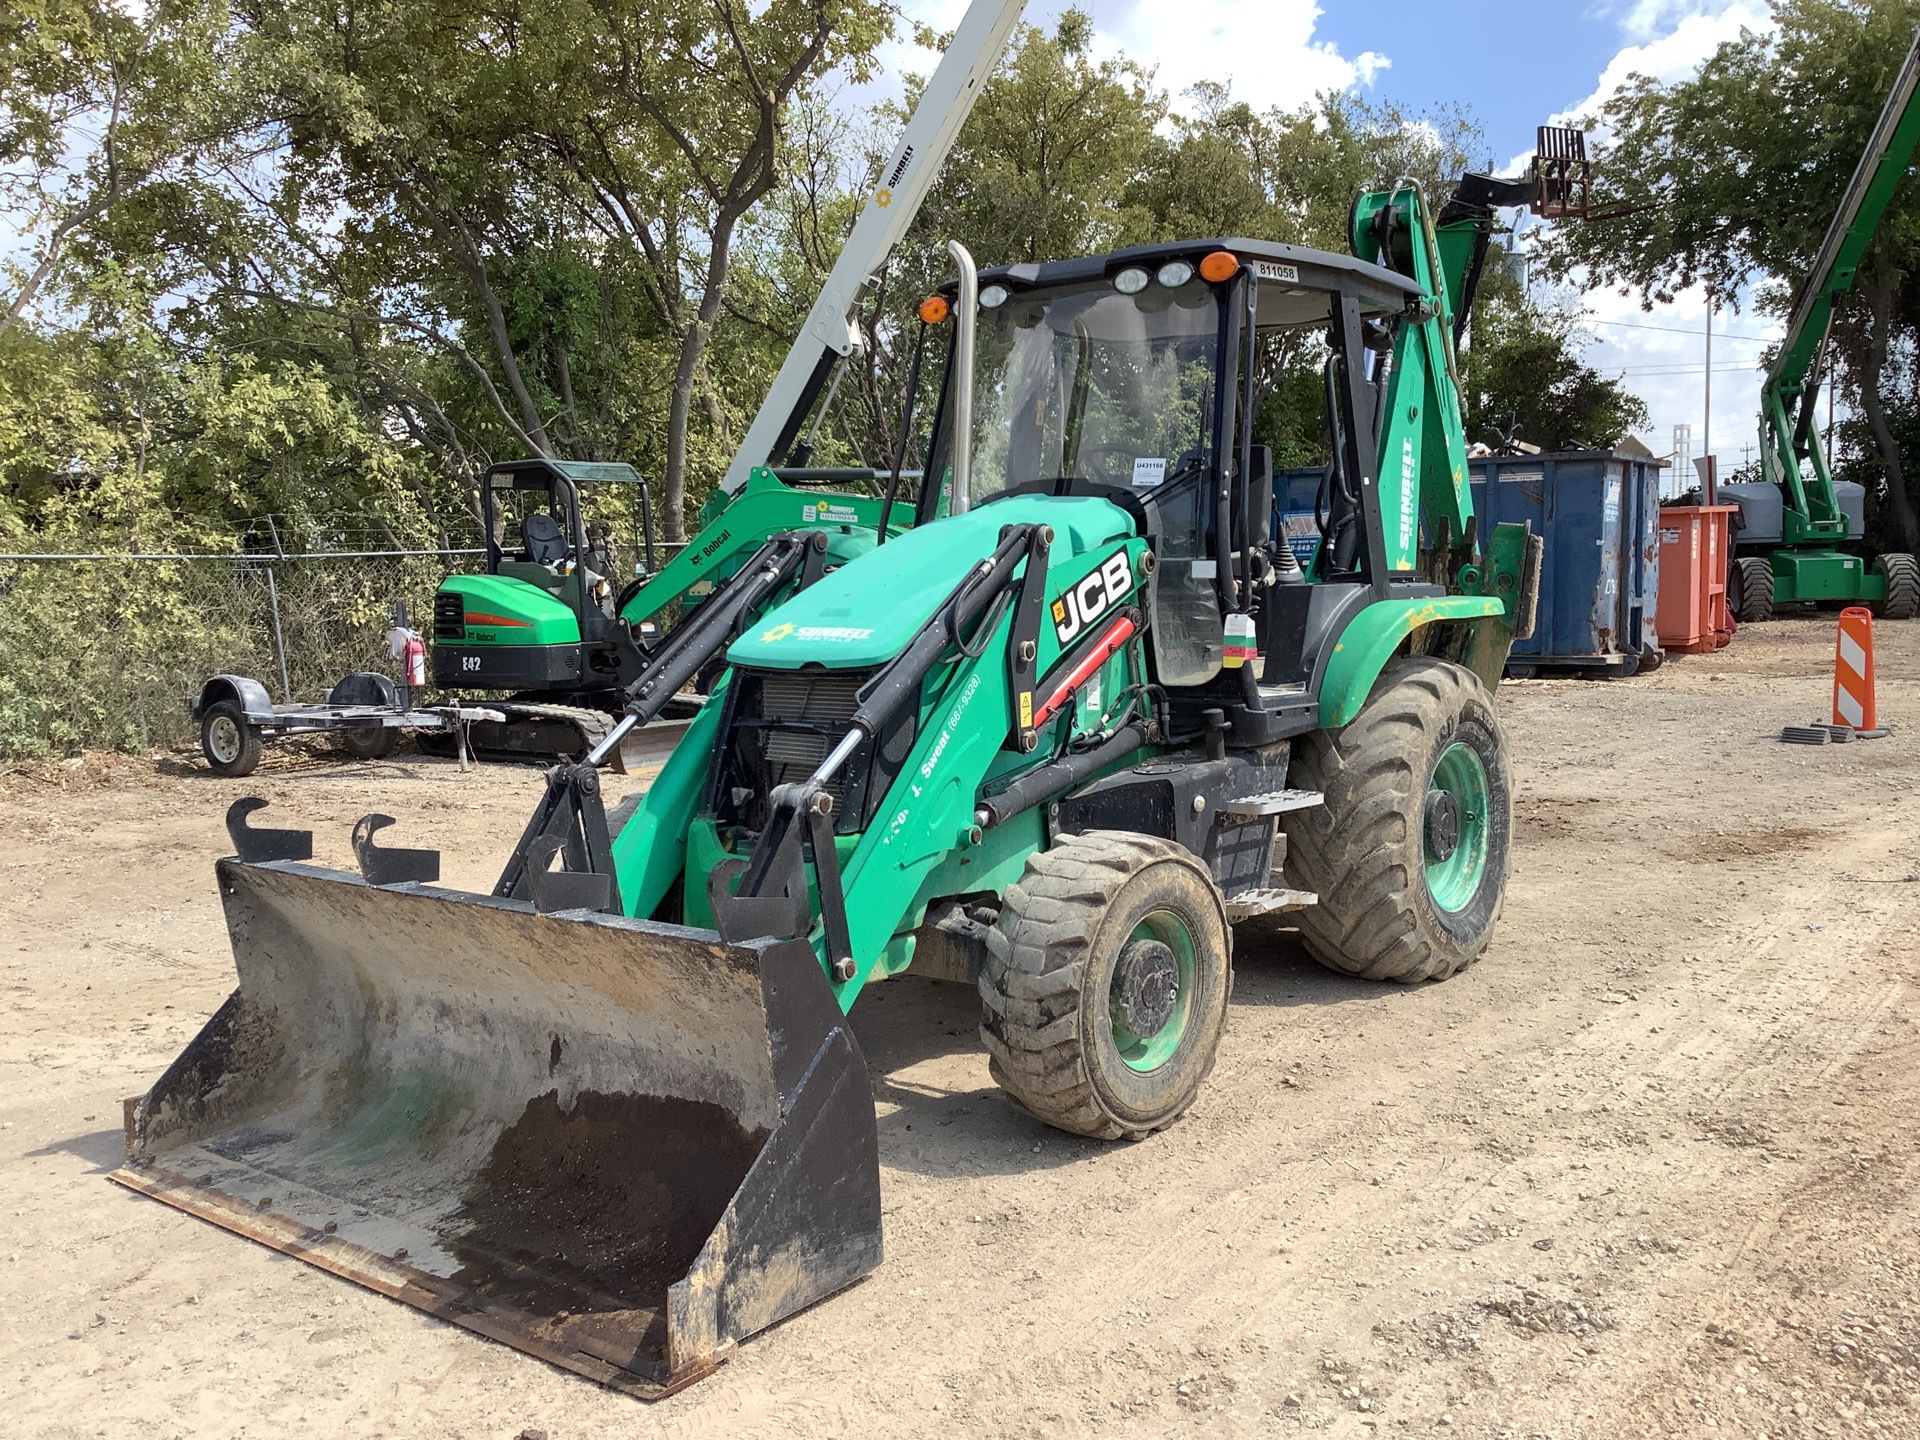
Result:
pixel 1902 574
pixel 1409 852
pixel 1750 589
pixel 231 745
pixel 1105 989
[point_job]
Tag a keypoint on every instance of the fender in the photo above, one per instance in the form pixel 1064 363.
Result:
pixel 1373 635
pixel 250 695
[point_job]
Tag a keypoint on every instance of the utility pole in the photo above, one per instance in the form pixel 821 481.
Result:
pixel 1706 428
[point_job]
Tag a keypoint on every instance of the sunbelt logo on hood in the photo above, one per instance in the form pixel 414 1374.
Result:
pixel 831 634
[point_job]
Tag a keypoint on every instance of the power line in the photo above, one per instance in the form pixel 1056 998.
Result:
pixel 1678 330
pixel 1677 369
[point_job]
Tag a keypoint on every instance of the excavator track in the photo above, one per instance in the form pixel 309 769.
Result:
pixel 531 732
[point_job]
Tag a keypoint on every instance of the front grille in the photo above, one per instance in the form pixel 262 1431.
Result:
pixel 803 718
pixel 781 725
pixel 449 615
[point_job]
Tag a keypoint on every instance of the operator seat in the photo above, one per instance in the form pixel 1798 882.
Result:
pixel 545 544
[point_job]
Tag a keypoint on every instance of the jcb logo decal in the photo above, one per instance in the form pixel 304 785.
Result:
pixel 1086 602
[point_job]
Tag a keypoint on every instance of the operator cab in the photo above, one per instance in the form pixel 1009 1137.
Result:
pixel 566 636
pixel 1156 377
pixel 533 515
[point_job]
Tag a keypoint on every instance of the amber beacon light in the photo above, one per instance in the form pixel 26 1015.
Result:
pixel 1218 266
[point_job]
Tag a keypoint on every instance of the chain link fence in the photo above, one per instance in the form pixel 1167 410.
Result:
pixel 105 651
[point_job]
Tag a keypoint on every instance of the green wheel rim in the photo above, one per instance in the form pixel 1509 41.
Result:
pixel 1455 880
pixel 1151 1052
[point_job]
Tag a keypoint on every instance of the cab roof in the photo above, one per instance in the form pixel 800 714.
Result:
pixel 535 473
pixel 1307 271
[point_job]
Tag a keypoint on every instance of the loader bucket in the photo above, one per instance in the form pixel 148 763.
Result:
pixel 620 1146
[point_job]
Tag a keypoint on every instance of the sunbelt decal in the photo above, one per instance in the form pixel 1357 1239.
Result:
pixel 821 512
pixel 833 634
pixel 1409 495
pixel 1086 602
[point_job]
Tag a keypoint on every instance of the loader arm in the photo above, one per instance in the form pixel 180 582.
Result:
pixel 968 703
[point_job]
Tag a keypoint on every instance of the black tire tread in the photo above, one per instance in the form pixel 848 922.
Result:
pixel 1349 850
pixel 1903 586
pixel 251 744
pixel 1030 986
pixel 1756 590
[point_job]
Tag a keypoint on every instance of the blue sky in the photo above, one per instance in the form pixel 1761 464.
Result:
pixel 1513 65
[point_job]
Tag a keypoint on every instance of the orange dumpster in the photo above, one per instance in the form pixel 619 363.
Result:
pixel 1691 617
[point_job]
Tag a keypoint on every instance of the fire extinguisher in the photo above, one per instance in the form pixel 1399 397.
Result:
pixel 406 646
pixel 414 660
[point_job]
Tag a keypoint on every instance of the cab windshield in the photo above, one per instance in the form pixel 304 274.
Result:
pixel 1086 383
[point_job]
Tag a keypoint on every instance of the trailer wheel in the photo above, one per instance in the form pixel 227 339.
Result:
pixel 1105 989
pixel 369 742
pixel 1902 574
pixel 1409 852
pixel 1750 589
pixel 232 745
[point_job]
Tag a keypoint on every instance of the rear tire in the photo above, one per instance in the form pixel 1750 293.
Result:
pixel 1409 853
pixel 1902 574
pixel 1750 589
pixel 1105 989
pixel 231 745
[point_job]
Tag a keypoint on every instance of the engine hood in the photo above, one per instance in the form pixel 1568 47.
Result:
pixel 866 612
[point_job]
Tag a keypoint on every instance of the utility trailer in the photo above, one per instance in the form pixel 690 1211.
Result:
pixel 367 714
pixel 364 713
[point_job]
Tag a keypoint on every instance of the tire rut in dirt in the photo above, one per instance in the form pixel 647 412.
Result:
pixel 1364 852
pixel 1064 929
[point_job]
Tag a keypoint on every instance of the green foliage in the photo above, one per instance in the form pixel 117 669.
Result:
pixel 297 273
pixel 1524 379
pixel 1732 176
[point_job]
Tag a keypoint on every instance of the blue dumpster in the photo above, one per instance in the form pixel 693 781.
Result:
pixel 1599 516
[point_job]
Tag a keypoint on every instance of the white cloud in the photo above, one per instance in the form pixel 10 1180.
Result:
pixel 1661 353
pixel 1184 42
pixel 1672 54
pixel 1189 41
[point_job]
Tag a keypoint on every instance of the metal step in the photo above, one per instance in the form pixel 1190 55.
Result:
pixel 1274 802
pixel 1249 903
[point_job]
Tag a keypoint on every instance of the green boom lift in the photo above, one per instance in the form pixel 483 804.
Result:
pixel 1795 541
pixel 1054 740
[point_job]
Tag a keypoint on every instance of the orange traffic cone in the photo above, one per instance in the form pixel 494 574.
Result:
pixel 1853 670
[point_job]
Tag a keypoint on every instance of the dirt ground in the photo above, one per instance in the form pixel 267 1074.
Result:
pixel 1650 1168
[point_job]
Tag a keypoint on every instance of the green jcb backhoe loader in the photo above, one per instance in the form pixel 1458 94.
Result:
pixel 1054 740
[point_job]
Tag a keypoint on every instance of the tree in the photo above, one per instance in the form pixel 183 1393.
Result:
pixel 98 104
pixel 1733 174
pixel 1524 378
